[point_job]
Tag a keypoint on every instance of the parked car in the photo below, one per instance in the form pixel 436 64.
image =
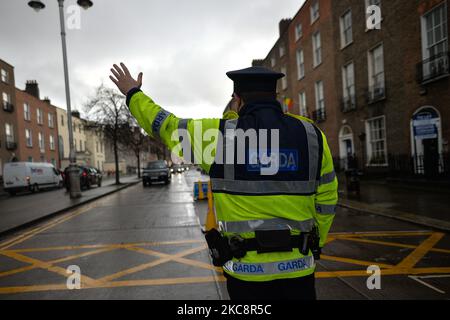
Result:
pixel 89 176
pixel 156 171
pixel 29 176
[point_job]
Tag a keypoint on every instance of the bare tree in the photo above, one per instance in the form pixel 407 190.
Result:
pixel 134 138
pixel 108 108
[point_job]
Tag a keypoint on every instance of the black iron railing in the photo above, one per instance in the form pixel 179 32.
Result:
pixel 11 145
pixel 433 68
pixel 376 93
pixel 348 103
pixel 319 115
pixel 8 107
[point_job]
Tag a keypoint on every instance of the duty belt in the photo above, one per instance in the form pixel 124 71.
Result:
pixel 223 249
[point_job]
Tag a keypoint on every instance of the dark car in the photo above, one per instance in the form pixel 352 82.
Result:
pixel 89 176
pixel 156 171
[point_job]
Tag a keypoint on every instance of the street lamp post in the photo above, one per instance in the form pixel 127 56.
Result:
pixel 75 191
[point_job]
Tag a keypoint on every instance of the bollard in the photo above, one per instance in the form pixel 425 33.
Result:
pixel 201 194
pixel 211 222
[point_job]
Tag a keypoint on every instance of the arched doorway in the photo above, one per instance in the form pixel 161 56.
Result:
pixel 346 145
pixel 426 141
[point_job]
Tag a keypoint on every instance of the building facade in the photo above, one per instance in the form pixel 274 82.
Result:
pixel 95 145
pixel 374 75
pixel 79 138
pixel 8 119
pixel 37 130
pixel 305 53
pixel 394 85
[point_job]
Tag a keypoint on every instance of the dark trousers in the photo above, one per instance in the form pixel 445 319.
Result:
pixel 285 289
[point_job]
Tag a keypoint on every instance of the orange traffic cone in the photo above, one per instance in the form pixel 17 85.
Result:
pixel 211 222
pixel 201 194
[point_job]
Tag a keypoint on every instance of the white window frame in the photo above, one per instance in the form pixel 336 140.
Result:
pixel 9 133
pixel 344 29
pixel 4 76
pixel 51 141
pixel 300 64
pixel 320 96
pixel 273 62
pixel 282 50
pixel 315 11
pixel 41 140
pixel 370 141
pixel 303 108
pixel 425 32
pixel 298 31
pixel 40 116
pixel 284 82
pixel 317 49
pixel 6 98
pixel 29 138
pixel 26 112
pixel 345 81
pixel 62 120
pixel 376 80
pixel 51 120
pixel 373 2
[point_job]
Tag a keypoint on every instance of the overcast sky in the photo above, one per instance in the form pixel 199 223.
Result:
pixel 184 47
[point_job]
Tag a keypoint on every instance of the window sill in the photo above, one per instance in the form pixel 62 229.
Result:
pixel 346 45
pixel 317 65
pixel 313 21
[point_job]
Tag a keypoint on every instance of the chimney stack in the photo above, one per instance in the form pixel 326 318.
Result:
pixel 258 63
pixel 76 114
pixel 283 25
pixel 32 88
pixel 46 99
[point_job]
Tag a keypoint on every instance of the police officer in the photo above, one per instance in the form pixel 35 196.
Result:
pixel 272 225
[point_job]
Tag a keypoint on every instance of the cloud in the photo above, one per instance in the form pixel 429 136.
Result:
pixel 184 47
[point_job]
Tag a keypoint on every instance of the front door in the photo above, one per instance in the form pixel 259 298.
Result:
pixel 431 157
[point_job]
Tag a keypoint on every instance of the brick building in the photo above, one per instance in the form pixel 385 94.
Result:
pixel 380 92
pixel 305 53
pixel 37 130
pixel 394 85
pixel 8 120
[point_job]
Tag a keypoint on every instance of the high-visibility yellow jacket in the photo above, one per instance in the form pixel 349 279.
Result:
pixel 245 206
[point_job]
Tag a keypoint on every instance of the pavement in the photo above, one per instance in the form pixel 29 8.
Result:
pixel 425 206
pixel 146 243
pixel 27 208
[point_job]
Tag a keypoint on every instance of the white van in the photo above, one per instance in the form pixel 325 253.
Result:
pixel 32 176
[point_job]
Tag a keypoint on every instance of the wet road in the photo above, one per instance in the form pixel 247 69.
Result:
pixel 146 243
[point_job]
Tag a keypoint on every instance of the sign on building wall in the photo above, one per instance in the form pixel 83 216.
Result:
pixel 425 125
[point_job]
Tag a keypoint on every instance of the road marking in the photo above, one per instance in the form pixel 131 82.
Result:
pixel 144 266
pixel 355 261
pixel 436 276
pixel 390 244
pixel 416 278
pixel 414 257
pixel 85 280
pixel 117 246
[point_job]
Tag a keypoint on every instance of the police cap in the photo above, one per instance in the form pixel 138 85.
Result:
pixel 255 79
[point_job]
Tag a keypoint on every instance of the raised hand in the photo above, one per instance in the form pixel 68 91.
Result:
pixel 123 79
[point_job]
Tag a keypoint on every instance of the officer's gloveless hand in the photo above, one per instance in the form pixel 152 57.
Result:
pixel 123 79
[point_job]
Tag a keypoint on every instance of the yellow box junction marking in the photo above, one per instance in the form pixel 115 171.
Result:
pixel 405 267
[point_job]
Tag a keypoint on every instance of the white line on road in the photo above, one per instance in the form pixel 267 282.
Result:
pixel 436 276
pixel 416 278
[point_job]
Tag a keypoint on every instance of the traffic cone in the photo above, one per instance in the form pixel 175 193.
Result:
pixel 211 222
pixel 201 194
